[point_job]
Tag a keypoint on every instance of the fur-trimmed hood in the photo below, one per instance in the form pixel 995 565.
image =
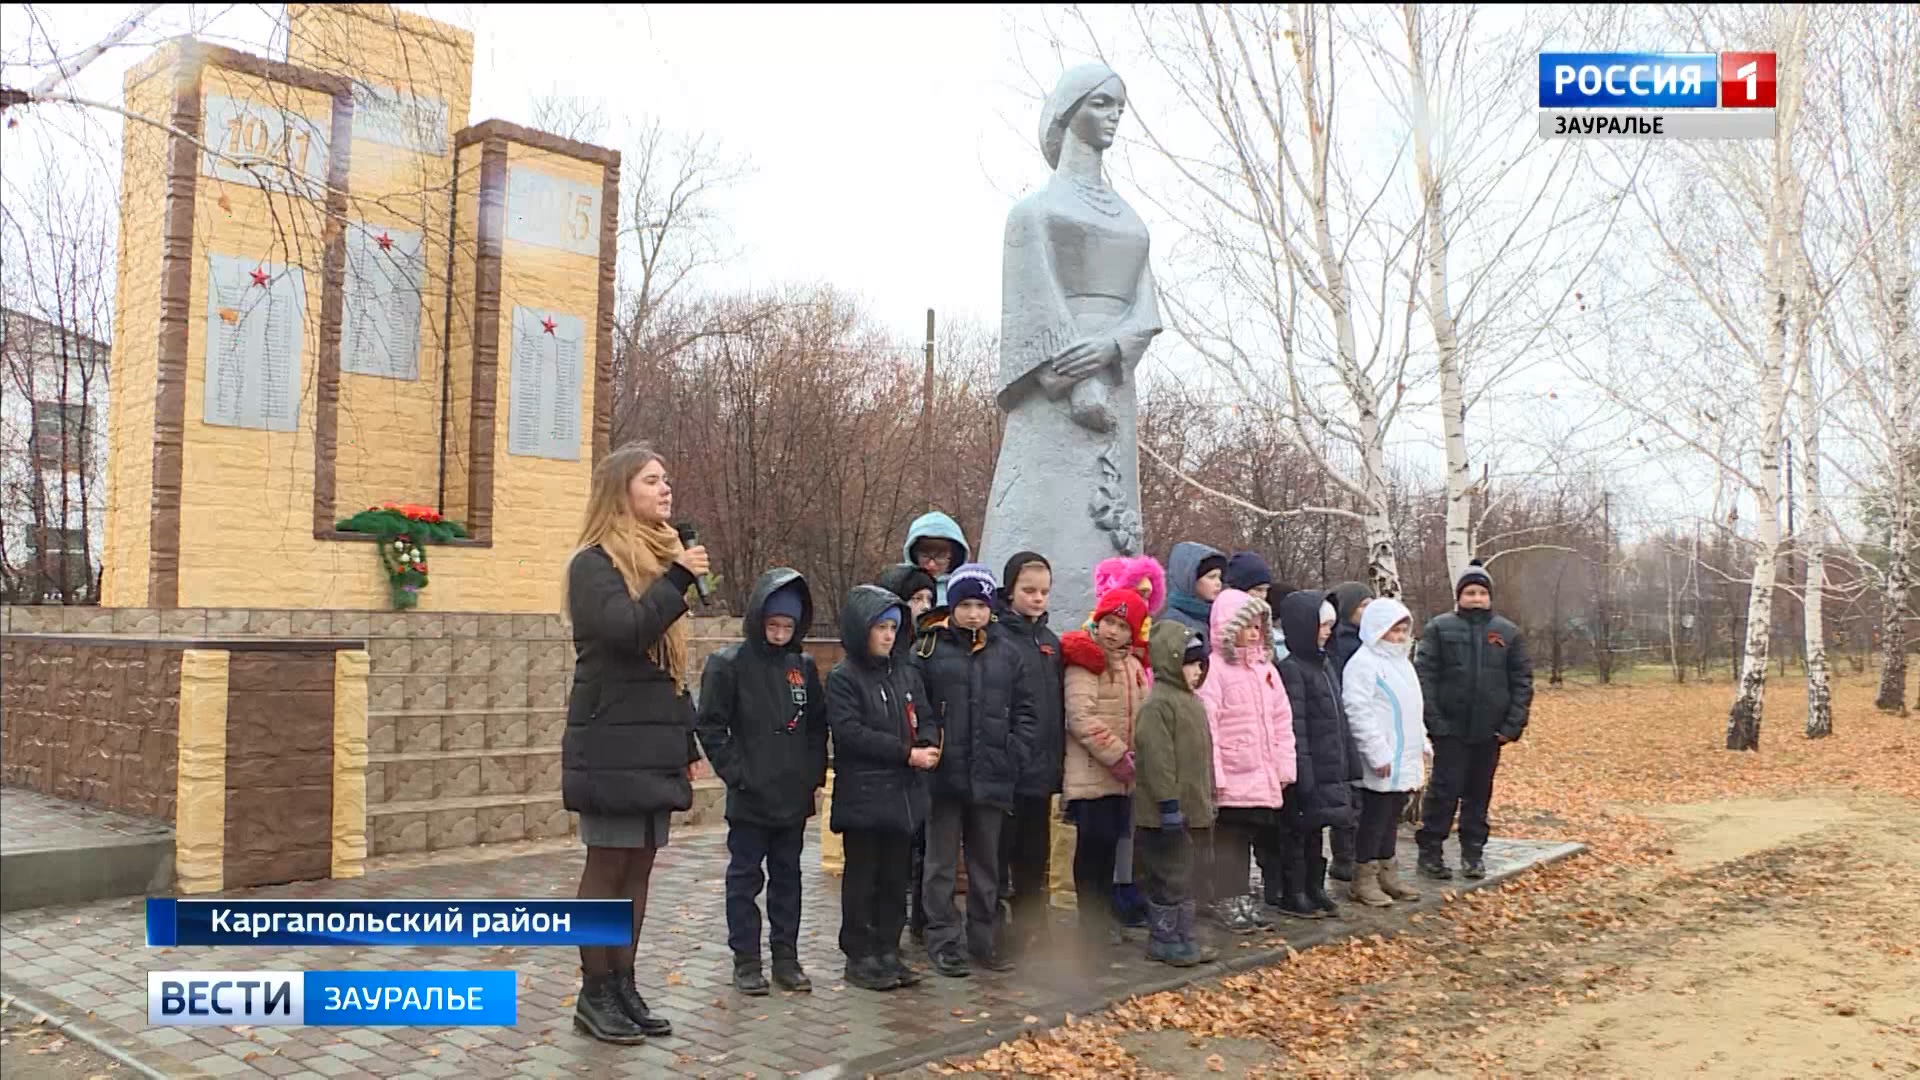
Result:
pixel 1129 572
pixel 1234 611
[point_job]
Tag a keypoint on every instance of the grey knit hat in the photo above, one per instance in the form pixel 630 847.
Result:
pixel 1474 574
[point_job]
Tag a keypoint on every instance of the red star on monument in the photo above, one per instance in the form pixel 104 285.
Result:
pixel 259 276
pixel 548 324
pixel 385 241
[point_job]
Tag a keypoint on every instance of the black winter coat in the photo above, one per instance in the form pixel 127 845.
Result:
pixel 1322 789
pixel 874 708
pixel 629 735
pixel 1345 597
pixel 1475 677
pixel 763 715
pixel 980 711
pixel 1046 684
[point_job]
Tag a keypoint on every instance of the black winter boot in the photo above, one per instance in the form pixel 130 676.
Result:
pixel 635 1006
pixel 1163 936
pixel 597 1013
pixel 1314 884
pixel 1297 906
pixel 1342 843
pixel 949 962
pixel 1189 942
pixel 868 973
pixel 1472 866
pixel 1317 896
pixel 747 976
pixel 904 974
pixel 788 974
pixel 1433 864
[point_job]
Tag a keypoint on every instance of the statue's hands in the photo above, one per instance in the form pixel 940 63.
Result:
pixel 1086 356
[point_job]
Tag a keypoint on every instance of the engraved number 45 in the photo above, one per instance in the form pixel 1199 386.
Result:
pixel 1750 71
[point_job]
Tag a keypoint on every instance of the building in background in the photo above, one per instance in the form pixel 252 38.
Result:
pixel 53 461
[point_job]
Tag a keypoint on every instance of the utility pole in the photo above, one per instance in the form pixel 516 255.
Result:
pixel 926 414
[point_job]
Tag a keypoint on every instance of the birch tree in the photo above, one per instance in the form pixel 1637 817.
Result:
pixel 1482 174
pixel 1743 719
pixel 1874 185
pixel 1813 541
pixel 1709 374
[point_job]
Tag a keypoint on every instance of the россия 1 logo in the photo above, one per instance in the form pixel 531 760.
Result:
pixel 1645 95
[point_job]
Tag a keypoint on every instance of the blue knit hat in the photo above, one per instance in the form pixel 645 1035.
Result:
pixel 783 601
pixel 1246 571
pixel 971 582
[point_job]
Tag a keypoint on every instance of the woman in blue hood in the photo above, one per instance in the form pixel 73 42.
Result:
pixel 925 550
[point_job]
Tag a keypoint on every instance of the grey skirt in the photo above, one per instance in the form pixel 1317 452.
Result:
pixel 625 830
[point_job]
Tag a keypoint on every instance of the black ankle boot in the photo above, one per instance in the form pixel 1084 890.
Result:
pixel 1317 895
pixel 870 973
pixel 1433 864
pixel 635 1006
pixel 1296 906
pixel 747 977
pixel 597 1012
pixel 788 974
pixel 904 974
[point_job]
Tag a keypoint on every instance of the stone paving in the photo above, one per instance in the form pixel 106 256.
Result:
pixel 86 967
pixel 30 821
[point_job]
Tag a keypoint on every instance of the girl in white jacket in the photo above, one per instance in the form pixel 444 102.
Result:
pixel 1384 709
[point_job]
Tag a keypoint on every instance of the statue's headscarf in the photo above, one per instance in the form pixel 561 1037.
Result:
pixel 1072 89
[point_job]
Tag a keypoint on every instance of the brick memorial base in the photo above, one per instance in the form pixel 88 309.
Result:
pixel 464 713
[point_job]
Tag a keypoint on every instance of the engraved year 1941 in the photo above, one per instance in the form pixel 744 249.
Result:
pixel 254 142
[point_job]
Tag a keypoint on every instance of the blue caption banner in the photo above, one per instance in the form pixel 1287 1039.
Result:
pixel 1629 80
pixel 173 923
pixel 332 998
pixel 381 998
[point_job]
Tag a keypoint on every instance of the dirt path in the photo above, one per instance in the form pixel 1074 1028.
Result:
pixel 1746 916
pixel 1781 943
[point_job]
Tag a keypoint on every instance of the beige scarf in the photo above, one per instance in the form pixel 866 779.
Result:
pixel 642 553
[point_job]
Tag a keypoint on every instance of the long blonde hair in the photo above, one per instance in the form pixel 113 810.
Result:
pixel 640 550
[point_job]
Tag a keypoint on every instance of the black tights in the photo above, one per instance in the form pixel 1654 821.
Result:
pixel 614 873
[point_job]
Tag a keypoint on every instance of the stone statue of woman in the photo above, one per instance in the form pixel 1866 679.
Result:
pixel 1077 312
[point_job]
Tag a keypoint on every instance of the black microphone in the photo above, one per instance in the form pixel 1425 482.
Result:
pixel 689 538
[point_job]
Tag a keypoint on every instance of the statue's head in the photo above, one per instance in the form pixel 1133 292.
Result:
pixel 1086 103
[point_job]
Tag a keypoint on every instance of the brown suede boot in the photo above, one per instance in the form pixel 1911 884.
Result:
pixel 1365 887
pixel 1388 876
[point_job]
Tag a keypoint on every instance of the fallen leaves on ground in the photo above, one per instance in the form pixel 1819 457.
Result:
pixel 1592 758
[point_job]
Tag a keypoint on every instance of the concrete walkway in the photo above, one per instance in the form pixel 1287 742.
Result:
pixel 85 966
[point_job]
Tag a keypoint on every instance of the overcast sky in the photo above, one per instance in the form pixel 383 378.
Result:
pixel 886 143
pixel 882 155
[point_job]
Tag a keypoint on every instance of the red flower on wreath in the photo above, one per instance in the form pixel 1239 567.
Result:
pixel 413 512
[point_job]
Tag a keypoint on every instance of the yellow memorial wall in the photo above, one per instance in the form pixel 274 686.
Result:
pixel 334 293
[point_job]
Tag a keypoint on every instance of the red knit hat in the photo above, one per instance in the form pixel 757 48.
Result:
pixel 1128 604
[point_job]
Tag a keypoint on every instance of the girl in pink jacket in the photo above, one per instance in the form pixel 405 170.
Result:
pixel 1253 760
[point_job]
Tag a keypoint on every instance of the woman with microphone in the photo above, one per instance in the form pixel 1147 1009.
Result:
pixel 630 721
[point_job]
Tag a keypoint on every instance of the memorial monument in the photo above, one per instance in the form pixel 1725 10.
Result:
pixel 1077 313
pixel 334 292
pixel 339 294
